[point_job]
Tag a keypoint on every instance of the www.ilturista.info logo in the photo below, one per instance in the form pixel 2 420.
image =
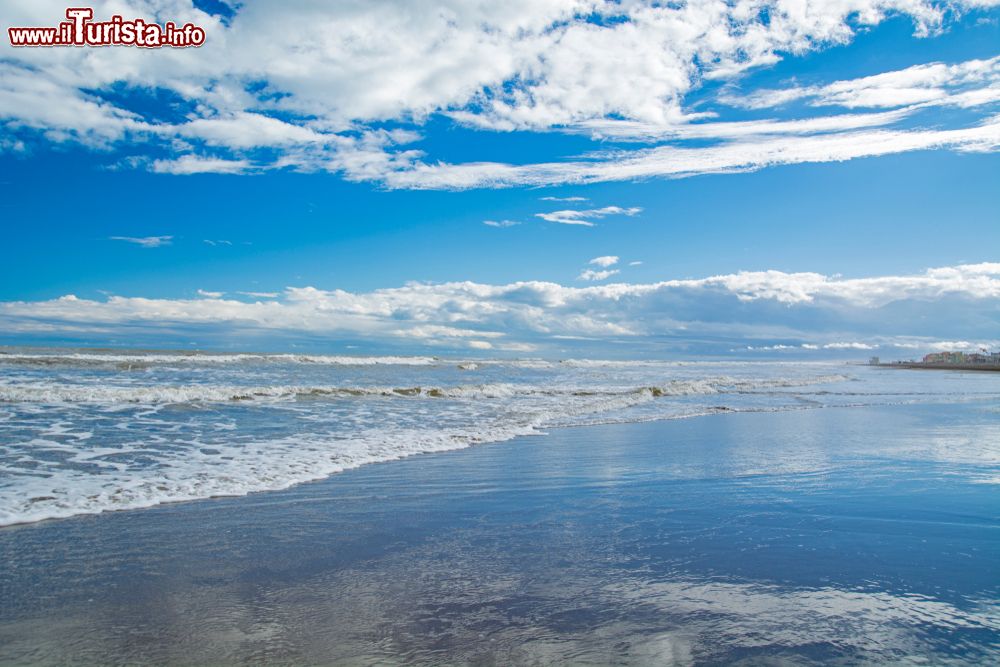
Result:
pixel 79 30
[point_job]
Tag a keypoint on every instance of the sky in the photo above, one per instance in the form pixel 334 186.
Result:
pixel 742 179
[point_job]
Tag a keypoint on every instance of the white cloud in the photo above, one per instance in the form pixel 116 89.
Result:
pixel 771 300
pixel 516 347
pixel 934 83
pixel 563 199
pixel 584 217
pixel 635 263
pixel 590 274
pixel 945 345
pixel 853 345
pixel 882 343
pixel 247 130
pixel 215 242
pixel 32 97
pixel 145 241
pixel 501 223
pixel 438 331
pixel 210 295
pixel 622 130
pixel 310 86
pixel 673 162
pixel 962 345
pixel 761 308
pixel 261 295
pixel 814 346
pixel 604 261
pixel 194 164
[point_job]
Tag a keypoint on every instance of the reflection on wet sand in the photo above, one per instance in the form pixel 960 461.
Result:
pixel 868 540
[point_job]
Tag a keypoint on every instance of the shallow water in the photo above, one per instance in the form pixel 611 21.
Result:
pixel 84 431
pixel 829 536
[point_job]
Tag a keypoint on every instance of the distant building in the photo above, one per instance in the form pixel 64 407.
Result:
pixel 984 360
pixel 945 358
pixel 964 358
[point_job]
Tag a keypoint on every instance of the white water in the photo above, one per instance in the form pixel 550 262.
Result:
pixel 84 432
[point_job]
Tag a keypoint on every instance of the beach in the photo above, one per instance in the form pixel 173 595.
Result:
pixel 852 535
pixel 500 333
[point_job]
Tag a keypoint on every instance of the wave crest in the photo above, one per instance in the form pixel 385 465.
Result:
pixel 49 392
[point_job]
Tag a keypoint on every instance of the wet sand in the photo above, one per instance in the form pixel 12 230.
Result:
pixel 865 535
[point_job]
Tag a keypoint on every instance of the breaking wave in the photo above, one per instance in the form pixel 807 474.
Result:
pixel 80 434
pixel 54 393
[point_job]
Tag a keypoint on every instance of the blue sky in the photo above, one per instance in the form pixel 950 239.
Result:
pixel 707 179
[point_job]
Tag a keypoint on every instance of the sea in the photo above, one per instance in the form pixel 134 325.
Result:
pixel 90 431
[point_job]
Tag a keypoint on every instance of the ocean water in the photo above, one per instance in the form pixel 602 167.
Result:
pixel 83 432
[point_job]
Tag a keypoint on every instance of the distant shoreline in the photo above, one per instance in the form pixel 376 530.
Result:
pixel 940 367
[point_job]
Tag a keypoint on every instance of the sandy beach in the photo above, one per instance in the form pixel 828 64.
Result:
pixel 853 536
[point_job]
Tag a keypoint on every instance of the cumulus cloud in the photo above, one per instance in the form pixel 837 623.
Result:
pixel 210 295
pixel 145 241
pixel 881 343
pixel 584 217
pixel 815 346
pixel 962 345
pixel 501 223
pixel 590 274
pixel 605 262
pixel 347 88
pixel 759 309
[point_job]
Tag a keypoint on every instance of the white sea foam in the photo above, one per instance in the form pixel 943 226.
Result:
pixel 263 465
pixel 53 392
pixel 211 469
pixel 77 435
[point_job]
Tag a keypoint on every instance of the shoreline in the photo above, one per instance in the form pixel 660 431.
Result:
pixel 537 432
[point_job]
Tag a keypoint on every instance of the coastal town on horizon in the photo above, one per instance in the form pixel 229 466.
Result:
pixel 983 360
